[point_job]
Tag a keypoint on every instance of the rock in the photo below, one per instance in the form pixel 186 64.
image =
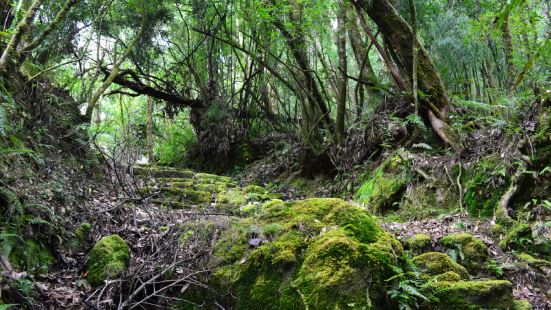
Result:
pixel 320 253
pixel 488 294
pixel 470 251
pixel 109 257
pixel 434 263
pixel 419 243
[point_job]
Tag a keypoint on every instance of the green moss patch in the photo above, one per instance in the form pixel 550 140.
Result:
pixel 31 256
pixel 468 250
pixel 315 253
pixel 109 258
pixel 434 263
pixel 386 184
pixel 419 243
pixel 490 294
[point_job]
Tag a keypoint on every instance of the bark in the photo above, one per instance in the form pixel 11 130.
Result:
pixel 20 31
pixel 149 130
pixel 6 14
pixel 317 112
pixel 508 52
pixel 391 67
pixel 361 55
pixel 114 73
pixel 343 73
pixel 399 36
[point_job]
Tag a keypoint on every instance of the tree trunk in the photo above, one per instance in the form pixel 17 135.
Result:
pixel 361 54
pixel 399 36
pixel 508 52
pixel 343 72
pixel 149 130
pixel 20 31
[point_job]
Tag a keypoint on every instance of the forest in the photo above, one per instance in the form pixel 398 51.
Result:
pixel 275 154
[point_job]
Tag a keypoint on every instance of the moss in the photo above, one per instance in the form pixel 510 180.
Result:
pixel 109 257
pixel 518 238
pixel 254 189
pixel 182 184
pixel 471 252
pixel 211 188
pixel 450 276
pixel 419 243
pixel 489 294
pixel 531 260
pixel 234 197
pixel 521 305
pixel 434 263
pixel 170 203
pixel 385 185
pixel 322 253
pixel 163 172
pixel 212 178
pixel 187 194
pixel 31 256
pixel 81 241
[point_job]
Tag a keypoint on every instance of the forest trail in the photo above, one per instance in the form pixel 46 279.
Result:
pixel 182 217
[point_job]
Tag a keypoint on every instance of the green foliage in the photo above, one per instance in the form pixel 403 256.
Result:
pixel 177 142
pixel 407 287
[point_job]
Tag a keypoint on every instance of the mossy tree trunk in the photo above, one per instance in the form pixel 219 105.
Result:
pixel 21 29
pixel 399 35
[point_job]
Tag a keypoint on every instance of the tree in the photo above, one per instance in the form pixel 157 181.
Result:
pixel 399 35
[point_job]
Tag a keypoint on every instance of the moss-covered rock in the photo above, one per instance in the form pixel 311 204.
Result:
pixel 450 276
pixel 535 262
pixel 254 189
pixel 469 251
pixel 481 193
pixel 489 294
pixel 386 184
pixel 435 263
pixel 109 257
pixel 316 253
pixel 162 172
pixel 233 197
pixel 189 195
pixel 419 243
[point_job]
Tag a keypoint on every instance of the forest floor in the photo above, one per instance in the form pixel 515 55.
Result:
pixel 153 232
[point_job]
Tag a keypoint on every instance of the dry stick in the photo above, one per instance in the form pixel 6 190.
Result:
pixel 20 31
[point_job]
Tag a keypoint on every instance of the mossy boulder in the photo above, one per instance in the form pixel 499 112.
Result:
pixel 532 261
pixel 315 253
pixel 468 250
pixel 109 257
pixel 254 189
pixel 435 263
pixel 188 195
pixel 419 243
pixel 386 184
pixel 450 276
pixel 488 294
